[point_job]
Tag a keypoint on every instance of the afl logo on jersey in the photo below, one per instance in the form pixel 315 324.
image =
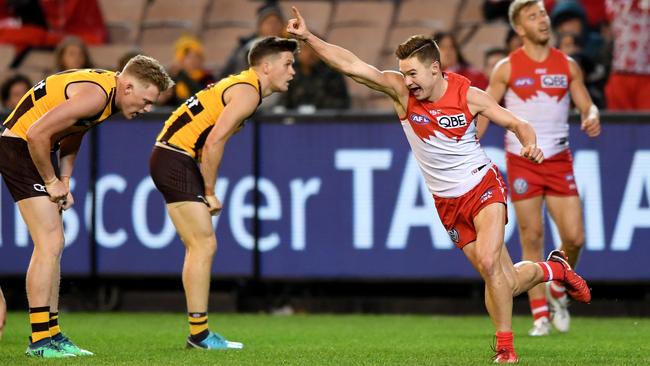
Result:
pixel 457 120
pixel 525 81
pixel 419 119
pixel 554 81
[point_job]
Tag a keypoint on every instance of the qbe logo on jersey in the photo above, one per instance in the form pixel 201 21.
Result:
pixel 454 121
pixel 555 81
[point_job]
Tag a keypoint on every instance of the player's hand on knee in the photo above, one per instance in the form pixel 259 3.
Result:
pixel 57 190
pixel 214 205
pixel 532 153
pixel 67 202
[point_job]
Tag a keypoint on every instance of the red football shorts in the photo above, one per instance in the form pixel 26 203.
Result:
pixel 553 177
pixel 457 213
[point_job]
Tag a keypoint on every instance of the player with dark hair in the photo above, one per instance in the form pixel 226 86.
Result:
pixel 186 158
pixel 437 111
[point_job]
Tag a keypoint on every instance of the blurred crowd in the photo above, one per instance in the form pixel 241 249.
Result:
pixel 610 40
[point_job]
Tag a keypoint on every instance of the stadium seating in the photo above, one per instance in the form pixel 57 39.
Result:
pixel 37 64
pixel 107 56
pixel 226 22
pixel 470 13
pixel 371 29
pixel 223 12
pixel 7 54
pixel 161 52
pixel 426 13
pixel 361 27
pixel 481 39
pixel 319 13
pixel 123 18
pixel 166 20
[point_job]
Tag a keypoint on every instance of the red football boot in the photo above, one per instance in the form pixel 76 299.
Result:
pixel 575 285
pixel 505 355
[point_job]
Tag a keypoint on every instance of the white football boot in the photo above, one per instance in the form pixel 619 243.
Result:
pixel 559 307
pixel 541 327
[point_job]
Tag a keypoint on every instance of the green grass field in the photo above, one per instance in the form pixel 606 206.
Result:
pixel 158 339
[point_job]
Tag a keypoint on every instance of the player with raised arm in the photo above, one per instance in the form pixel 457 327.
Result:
pixel 437 111
pixel 53 116
pixel 186 158
pixel 538 82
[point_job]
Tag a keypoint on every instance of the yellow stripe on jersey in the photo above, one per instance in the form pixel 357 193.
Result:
pixel 52 91
pixel 188 127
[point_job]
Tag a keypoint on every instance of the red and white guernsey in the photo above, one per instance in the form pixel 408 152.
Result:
pixel 442 135
pixel 539 93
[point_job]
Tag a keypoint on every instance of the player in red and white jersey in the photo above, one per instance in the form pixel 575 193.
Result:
pixel 538 82
pixel 438 112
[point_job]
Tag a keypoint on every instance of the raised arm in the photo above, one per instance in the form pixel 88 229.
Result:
pixel 344 61
pixel 241 102
pixel 496 89
pixel 84 100
pixel 580 96
pixel 481 102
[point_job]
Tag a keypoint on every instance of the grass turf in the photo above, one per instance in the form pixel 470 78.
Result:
pixel 158 339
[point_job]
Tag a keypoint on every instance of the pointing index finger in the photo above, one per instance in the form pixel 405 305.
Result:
pixel 296 13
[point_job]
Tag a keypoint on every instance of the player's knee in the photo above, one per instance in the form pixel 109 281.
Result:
pixel 210 248
pixel 487 265
pixel 576 240
pixel 205 247
pixel 52 249
pixel 532 237
pixel 51 242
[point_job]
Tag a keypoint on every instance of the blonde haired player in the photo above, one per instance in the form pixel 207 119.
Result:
pixel 539 82
pixel 39 143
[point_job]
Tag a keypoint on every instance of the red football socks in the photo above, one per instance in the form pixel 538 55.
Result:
pixel 539 308
pixel 552 270
pixel 505 340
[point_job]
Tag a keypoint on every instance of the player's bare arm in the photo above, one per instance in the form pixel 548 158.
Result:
pixel 67 155
pixel 496 89
pixel 588 111
pixel 241 101
pixel 388 82
pixel 481 102
pixel 84 100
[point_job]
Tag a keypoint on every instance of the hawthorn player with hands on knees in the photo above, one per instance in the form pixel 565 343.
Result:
pixel 53 116
pixel 437 111
pixel 538 82
pixel 186 159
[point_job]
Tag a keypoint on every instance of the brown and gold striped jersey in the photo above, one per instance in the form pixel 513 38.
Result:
pixel 52 91
pixel 188 127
